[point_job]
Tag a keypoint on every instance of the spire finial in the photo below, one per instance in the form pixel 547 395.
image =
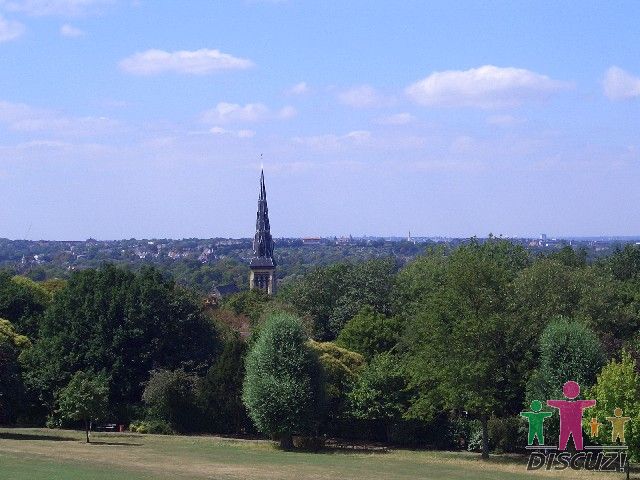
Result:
pixel 261 163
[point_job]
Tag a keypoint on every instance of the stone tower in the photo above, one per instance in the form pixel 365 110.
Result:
pixel 262 265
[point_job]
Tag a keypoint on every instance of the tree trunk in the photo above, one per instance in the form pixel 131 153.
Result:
pixel 485 437
pixel 86 430
pixel 286 442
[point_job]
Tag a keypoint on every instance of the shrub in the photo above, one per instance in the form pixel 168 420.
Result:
pixel 151 426
pixel 171 398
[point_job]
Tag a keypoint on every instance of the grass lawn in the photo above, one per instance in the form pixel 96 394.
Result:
pixel 40 454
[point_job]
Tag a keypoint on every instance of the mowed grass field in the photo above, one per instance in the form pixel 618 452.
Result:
pixel 40 454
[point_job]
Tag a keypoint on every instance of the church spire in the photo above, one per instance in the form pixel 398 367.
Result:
pixel 262 265
pixel 262 241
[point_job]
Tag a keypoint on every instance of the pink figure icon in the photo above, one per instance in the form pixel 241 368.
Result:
pixel 571 414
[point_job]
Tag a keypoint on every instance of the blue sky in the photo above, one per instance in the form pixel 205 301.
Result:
pixel 123 118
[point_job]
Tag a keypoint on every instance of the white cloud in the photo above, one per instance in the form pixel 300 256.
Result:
pixel 287 112
pixel 334 142
pixel 396 119
pixel 55 7
pixel 363 96
pixel 232 113
pixel 299 89
pixel 197 62
pixel 504 120
pixel 484 87
pixel 19 117
pixel 10 29
pixel 234 133
pixel 620 85
pixel 70 31
pixel 225 113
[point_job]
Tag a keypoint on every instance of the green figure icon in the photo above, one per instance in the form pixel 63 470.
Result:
pixel 617 425
pixel 536 422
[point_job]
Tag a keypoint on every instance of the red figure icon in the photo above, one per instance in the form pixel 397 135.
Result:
pixel 571 414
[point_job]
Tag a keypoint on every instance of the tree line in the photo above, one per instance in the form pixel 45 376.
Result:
pixel 443 351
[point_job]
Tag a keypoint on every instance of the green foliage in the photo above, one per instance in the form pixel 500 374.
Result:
pixel 151 426
pixel 570 257
pixel 84 398
pixel 507 435
pixel 220 393
pixel 341 368
pixel 22 302
pixel 569 350
pixel 618 386
pixel 332 295
pixel 284 385
pixel 380 392
pixel 9 336
pixel 251 303
pixel 171 398
pixel 624 264
pixel 463 351
pixel 123 323
pixel 370 333
pixel 11 388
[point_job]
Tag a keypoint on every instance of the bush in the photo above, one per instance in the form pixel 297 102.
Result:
pixel 171 398
pixel 507 435
pixel 151 426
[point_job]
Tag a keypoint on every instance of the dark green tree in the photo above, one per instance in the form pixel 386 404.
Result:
pixel 171 397
pixel 284 386
pixel 11 388
pixel 220 392
pixel 125 324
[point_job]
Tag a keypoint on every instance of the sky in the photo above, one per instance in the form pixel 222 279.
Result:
pixel 151 118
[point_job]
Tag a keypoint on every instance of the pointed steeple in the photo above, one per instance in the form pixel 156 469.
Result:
pixel 262 241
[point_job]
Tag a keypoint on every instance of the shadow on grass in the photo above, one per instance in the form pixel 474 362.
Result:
pixel 33 436
pixel 116 444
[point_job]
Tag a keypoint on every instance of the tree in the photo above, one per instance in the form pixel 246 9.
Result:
pixel 618 386
pixel 380 392
pixel 11 344
pixel 332 295
pixel 370 333
pixel 171 397
pixel 124 323
pixel 569 350
pixel 220 392
pixel 284 387
pixel 462 351
pixel 341 368
pixel 84 398
pixel 22 302
pixel 251 303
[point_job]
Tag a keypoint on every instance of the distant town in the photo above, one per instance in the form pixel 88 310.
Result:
pixel 205 263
